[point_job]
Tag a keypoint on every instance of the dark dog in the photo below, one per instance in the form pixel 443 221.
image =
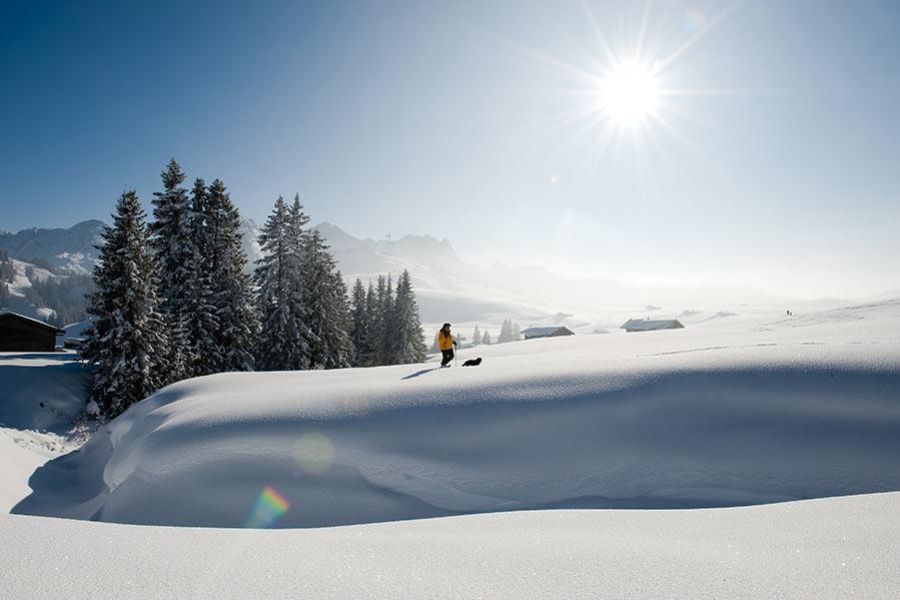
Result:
pixel 472 362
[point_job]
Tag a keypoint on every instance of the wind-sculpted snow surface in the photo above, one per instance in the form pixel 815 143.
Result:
pixel 655 420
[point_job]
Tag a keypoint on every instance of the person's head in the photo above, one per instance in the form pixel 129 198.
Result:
pixel 446 328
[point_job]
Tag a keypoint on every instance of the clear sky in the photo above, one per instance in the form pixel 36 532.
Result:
pixel 768 154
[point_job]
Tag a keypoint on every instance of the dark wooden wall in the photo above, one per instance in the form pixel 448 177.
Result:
pixel 22 336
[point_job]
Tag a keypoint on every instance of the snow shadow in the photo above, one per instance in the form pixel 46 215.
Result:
pixel 422 372
pixel 42 396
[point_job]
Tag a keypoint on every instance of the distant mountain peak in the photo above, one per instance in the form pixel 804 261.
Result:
pixel 72 250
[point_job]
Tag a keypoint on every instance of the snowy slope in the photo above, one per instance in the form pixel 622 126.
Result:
pixel 25 274
pixel 817 549
pixel 725 412
pixel 759 393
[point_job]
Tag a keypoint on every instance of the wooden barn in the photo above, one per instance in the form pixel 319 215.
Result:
pixel 19 333
pixel 542 332
pixel 651 324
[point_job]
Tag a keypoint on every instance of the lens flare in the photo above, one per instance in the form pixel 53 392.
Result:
pixel 269 507
pixel 694 20
pixel 314 452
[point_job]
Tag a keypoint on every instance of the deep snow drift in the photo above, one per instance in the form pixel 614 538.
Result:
pixel 727 412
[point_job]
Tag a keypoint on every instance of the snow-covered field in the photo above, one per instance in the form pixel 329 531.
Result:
pixel 735 410
pixel 821 549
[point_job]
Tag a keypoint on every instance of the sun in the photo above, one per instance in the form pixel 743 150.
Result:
pixel 626 95
pixel 630 94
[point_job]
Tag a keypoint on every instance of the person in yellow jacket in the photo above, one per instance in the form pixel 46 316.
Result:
pixel 446 344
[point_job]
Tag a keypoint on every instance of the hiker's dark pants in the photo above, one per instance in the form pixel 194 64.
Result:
pixel 448 356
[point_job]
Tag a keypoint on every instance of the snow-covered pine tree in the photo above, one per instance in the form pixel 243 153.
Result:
pixel 340 323
pixel 410 343
pixel 486 338
pixel 276 346
pixel 296 238
pixel 506 332
pixel 201 322
pixel 231 296
pixel 377 323
pixel 373 322
pixel 284 340
pixel 516 332
pixel 388 331
pixel 359 334
pixel 328 311
pixel 127 342
pixel 476 336
pixel 171 237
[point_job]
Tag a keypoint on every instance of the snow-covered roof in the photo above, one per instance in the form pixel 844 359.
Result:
pixel 5 314
pixel 652 324
pixel 533 332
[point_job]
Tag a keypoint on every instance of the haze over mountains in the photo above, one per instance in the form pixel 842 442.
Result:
pixel 447 288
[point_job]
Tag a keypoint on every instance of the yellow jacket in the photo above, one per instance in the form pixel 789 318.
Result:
pixel 445 342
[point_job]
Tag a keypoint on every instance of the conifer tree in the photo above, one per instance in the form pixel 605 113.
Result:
pixel 373 321
pixel 486 338
pixel 229 286
pixel 201 323
pixel 506 332
pixel 360 332
pixel 328 311
pixel 171 237
pixel 126 343
pixel 378 323
pixel 409 344
pixel 476 336
pixel 285 336
pixel 277 344
pixel 389 324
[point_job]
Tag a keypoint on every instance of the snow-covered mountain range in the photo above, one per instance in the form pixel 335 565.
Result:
pixel 71 250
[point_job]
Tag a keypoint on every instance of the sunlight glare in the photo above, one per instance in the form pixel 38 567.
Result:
pixel 630 93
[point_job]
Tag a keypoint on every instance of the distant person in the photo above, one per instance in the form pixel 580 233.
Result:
pixel 446 344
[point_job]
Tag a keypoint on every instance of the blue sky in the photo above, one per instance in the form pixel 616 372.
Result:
pixel 778 171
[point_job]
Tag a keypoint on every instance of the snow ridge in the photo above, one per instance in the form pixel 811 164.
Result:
pixel 395 443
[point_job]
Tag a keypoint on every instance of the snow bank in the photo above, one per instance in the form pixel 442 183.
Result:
pixel 752 412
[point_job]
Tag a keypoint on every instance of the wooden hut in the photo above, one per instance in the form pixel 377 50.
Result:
pixel 19 333
pixel 543 332
pixel 651 324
